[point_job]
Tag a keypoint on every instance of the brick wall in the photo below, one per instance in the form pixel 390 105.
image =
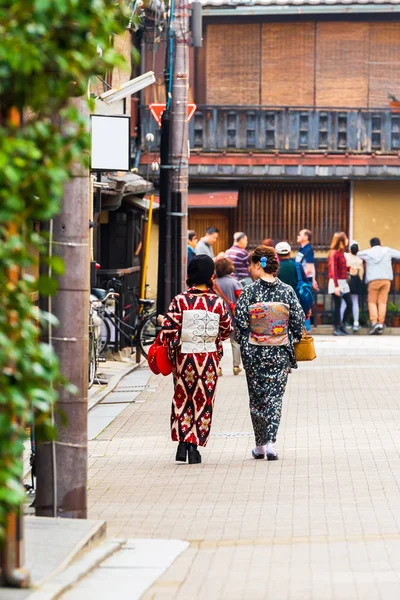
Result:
pixel 233 64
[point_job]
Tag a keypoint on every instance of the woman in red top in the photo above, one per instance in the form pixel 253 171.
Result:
pixel 337 285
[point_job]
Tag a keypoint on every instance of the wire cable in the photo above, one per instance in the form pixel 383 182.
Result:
pixel 50 335
pixel 171 53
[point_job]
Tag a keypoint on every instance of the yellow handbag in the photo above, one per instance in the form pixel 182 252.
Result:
pixel 305 349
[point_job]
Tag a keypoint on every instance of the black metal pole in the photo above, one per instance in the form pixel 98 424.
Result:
pixel 179 143
pixel 164 292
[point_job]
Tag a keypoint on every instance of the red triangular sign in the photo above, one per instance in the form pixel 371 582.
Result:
pixel 158 109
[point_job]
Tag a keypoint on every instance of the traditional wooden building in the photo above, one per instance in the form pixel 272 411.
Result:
pixel 297 121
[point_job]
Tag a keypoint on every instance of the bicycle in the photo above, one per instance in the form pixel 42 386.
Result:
pixel 93 349
pixel 145 328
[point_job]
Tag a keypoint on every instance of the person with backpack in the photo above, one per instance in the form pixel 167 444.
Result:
pixel 269 320
pixel 305 257
pixel 293 274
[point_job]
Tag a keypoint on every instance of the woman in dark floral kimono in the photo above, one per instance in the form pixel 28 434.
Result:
pixel 269 320
pixel 196 323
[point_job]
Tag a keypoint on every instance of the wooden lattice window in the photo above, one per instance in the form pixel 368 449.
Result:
pixel 280 210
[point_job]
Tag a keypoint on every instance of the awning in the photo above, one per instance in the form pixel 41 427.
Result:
pixel 143 203
pixel 213 198
pixel 116 188
pixel 210 198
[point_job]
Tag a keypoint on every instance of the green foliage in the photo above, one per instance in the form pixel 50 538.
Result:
pixel 48 51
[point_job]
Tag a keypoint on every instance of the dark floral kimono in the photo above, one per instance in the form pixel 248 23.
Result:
pixel 267 367
pixel 194 371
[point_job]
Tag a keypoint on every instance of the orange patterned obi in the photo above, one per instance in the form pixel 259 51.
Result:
pixel 269 323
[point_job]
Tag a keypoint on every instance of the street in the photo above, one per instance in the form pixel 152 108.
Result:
pixel 321 523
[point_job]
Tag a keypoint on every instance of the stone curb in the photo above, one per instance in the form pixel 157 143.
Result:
pixel 54 588
pixel 112 384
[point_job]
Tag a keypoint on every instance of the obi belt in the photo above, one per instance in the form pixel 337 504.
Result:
pixel 200 329
pixel 269 322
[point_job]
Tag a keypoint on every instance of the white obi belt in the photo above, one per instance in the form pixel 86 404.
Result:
pixel 199 331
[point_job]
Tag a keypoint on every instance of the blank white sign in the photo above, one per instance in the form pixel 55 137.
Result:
pixel 110 143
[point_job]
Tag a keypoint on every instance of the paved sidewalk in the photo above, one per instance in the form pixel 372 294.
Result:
pixel 110 372
pixel 321 523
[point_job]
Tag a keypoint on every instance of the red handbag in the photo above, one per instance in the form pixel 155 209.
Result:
pixel 158 358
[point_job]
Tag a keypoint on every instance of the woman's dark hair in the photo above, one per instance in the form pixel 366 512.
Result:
pixel 354 248
pixel 201 270
pixel 269 253
pixel 338 240
pixel 209 283
pixel 224 266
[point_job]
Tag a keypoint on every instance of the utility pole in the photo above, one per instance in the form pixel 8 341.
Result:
pixel 179 147
pixel 172 263
pixel 164 293
pixel 62 464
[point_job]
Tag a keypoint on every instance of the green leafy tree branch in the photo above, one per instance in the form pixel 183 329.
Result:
pixel 48 52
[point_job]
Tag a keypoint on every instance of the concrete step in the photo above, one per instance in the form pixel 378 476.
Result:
pixel 51 545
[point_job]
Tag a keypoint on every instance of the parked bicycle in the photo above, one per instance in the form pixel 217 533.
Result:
pixel 94 340
pixel 142 330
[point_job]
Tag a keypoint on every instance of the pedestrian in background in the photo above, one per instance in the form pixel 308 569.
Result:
pixel 268 242
pixel 196 323
pixel 287 268
pixel 337 284
pixel 288 274
pixel 192 241
pixel 229 288
pixel 378 276
pixel 269 319
pixel 305 257
pixel 238 254
pixel 355 268
pixel 205 245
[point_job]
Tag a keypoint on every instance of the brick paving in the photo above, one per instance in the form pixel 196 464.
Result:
pixel 321 523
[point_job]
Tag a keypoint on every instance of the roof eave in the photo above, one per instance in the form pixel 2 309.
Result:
pixel 304 9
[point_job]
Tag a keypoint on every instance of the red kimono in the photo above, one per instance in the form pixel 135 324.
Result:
pixel 195 371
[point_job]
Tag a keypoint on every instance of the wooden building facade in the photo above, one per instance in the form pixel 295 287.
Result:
pixel 297 112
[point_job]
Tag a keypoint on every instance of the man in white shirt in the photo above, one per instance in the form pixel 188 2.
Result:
pixel 378 276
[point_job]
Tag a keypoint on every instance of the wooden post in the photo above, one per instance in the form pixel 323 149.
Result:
pixel 62 465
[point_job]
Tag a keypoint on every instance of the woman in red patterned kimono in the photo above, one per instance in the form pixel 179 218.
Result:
pixel 196 323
